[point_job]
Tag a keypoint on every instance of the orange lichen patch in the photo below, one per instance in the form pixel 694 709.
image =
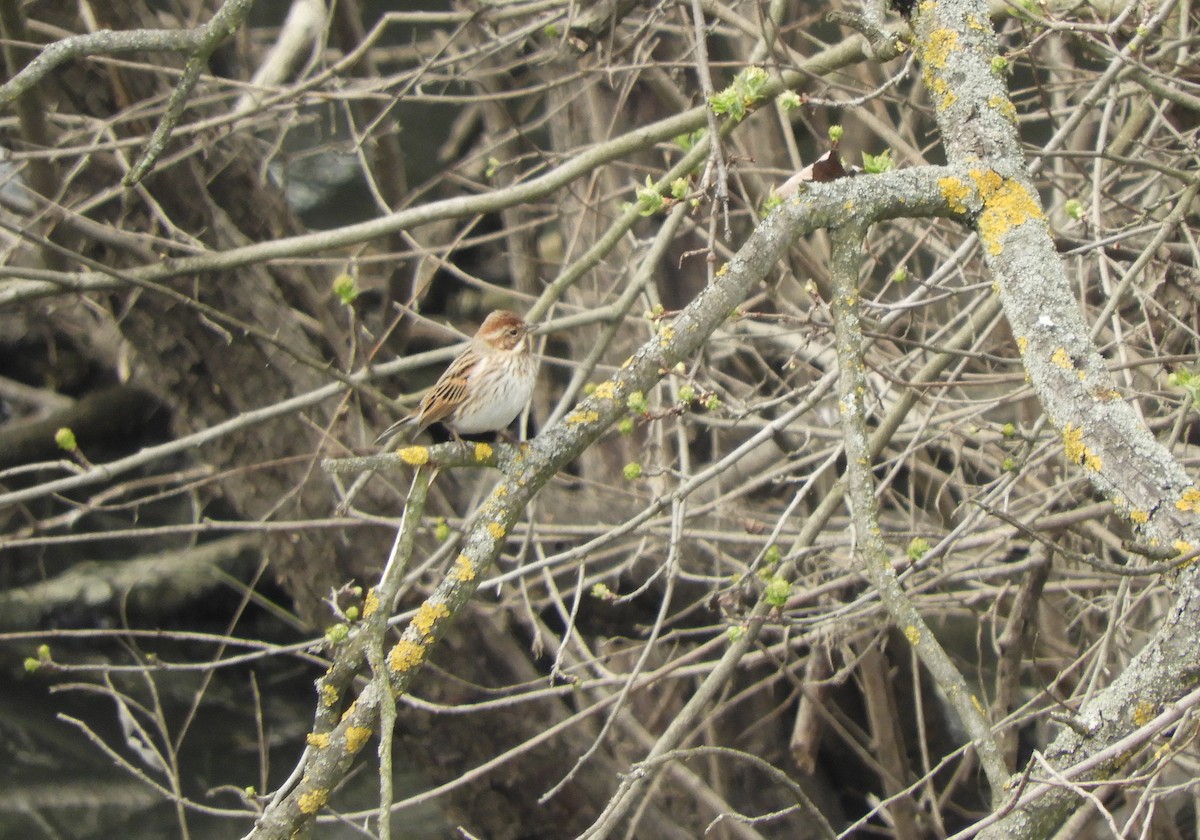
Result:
pixel 955 192
pixel 606 390
pixel 1006 204
pixel 428 615
pixel 1077 451
pixel 483 451
pixel 1143 712
pixel 1190 500
pixel 463 571
pixel 1060 358
pixel 405 655
pixel 496 530
pixel 414 456
pixel 356 736
pixel 1138 516
pixel 370 603
pixel 913 635
pixel 329 695
pixel 577 417
pixel 313 801
pixel 319 741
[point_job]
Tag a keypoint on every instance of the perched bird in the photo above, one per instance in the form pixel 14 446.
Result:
pixel 487 386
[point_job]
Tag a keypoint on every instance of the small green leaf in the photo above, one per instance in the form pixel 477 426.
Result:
pixel 875 164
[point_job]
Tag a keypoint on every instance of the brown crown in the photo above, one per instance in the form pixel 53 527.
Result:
pixel 503 330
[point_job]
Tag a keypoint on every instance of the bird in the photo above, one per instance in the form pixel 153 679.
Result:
pixel 486 386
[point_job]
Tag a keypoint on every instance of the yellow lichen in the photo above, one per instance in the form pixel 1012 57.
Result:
pixel 356 736
pixel 913 635
pixel 312 801
pixel 483 451
pixel 978 705
pixel 414 456
pixel 1182 547
pixel 1190 500
pixel 496 530
pixel 1022 344
pixel 428 615
pixel 1143 712
pixel 405 655
pixel 370 603
pixel 606 390
pixel 463 571
pixel 955 192
pixel 666 334
pixel 1138 516
pixel 1077 451
pixel 349 710
pixel 319 741
pixel 1006 204
pixel 577 417
pixel 329 695
pixel 941 43
pixel 1060 358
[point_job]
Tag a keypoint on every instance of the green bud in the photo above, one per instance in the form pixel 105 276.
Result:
pixel 687 393
pixel 1073 207
pixel 337 633
pixel 601 591
pixel 441 529
pixel 625 425
pixel 633 471
pixel 32 665
pixel 735 632
pixel 64 438
pixel 777 592
pixel 346 288
pixel 1000 65
pixel 900 275
pixel 789 100
pixel 712 402
pixel 679 189
pixel 352 613
pixel 637 403
pixel 918 547
pixel 1008 430
pixel 835 133
pixel 772 555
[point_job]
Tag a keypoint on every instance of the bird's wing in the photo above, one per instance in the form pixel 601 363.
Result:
pixel 447 393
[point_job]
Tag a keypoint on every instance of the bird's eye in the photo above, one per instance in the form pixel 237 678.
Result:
pixel 513 331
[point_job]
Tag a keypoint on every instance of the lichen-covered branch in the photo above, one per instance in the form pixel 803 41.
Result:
pixel 1101 433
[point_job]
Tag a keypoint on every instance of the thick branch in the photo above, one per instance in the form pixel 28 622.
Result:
pixel 1101 432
